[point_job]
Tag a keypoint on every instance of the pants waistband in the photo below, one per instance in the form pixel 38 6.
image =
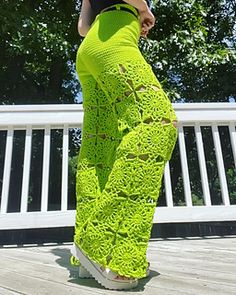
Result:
pixel 124 7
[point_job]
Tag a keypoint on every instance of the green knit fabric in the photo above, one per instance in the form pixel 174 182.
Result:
pixel 127 137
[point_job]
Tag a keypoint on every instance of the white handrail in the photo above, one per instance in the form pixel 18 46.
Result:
pixel 73 114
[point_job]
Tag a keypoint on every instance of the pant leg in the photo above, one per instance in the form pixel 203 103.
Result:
pixel 97 151
pixel 118 230
pixel 99 134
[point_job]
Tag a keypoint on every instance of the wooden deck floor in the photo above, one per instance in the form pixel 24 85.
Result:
pixel 196 266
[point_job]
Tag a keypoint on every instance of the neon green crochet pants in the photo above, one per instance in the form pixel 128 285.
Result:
pixel 128 135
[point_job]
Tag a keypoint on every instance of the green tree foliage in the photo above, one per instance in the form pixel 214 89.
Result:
pixel 192 48
pixel 38 47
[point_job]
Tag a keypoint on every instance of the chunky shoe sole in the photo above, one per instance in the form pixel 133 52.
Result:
pixel 148 270
pixel 105 277
pixel 84 274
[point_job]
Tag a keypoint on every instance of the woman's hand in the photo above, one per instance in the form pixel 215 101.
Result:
pixel 147 21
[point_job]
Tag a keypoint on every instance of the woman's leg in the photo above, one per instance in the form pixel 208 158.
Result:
pixel 97 152
pixel 117 230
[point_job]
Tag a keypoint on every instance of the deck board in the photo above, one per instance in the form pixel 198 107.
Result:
pixel 178 267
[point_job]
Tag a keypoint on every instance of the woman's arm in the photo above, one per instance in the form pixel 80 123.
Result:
pixel 86 18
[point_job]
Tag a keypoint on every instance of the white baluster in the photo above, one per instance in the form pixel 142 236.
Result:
pixel 184 165
pixel 26 169
pixel 202 165
pixel 220 165
pixel 46 164
pixel 232 133
pixel 168 188
pixel 64 184
pixel 7 169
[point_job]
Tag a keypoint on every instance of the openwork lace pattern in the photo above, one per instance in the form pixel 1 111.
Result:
pixel 127 137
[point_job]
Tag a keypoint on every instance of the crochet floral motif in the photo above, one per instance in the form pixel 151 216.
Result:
pixel 127 137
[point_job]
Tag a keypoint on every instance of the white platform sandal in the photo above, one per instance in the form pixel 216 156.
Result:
pixel 84 274
pixel 104 276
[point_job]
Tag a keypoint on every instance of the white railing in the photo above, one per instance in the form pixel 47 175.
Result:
pixel 48 117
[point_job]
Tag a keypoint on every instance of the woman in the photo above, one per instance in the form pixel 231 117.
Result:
pixel 129 132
